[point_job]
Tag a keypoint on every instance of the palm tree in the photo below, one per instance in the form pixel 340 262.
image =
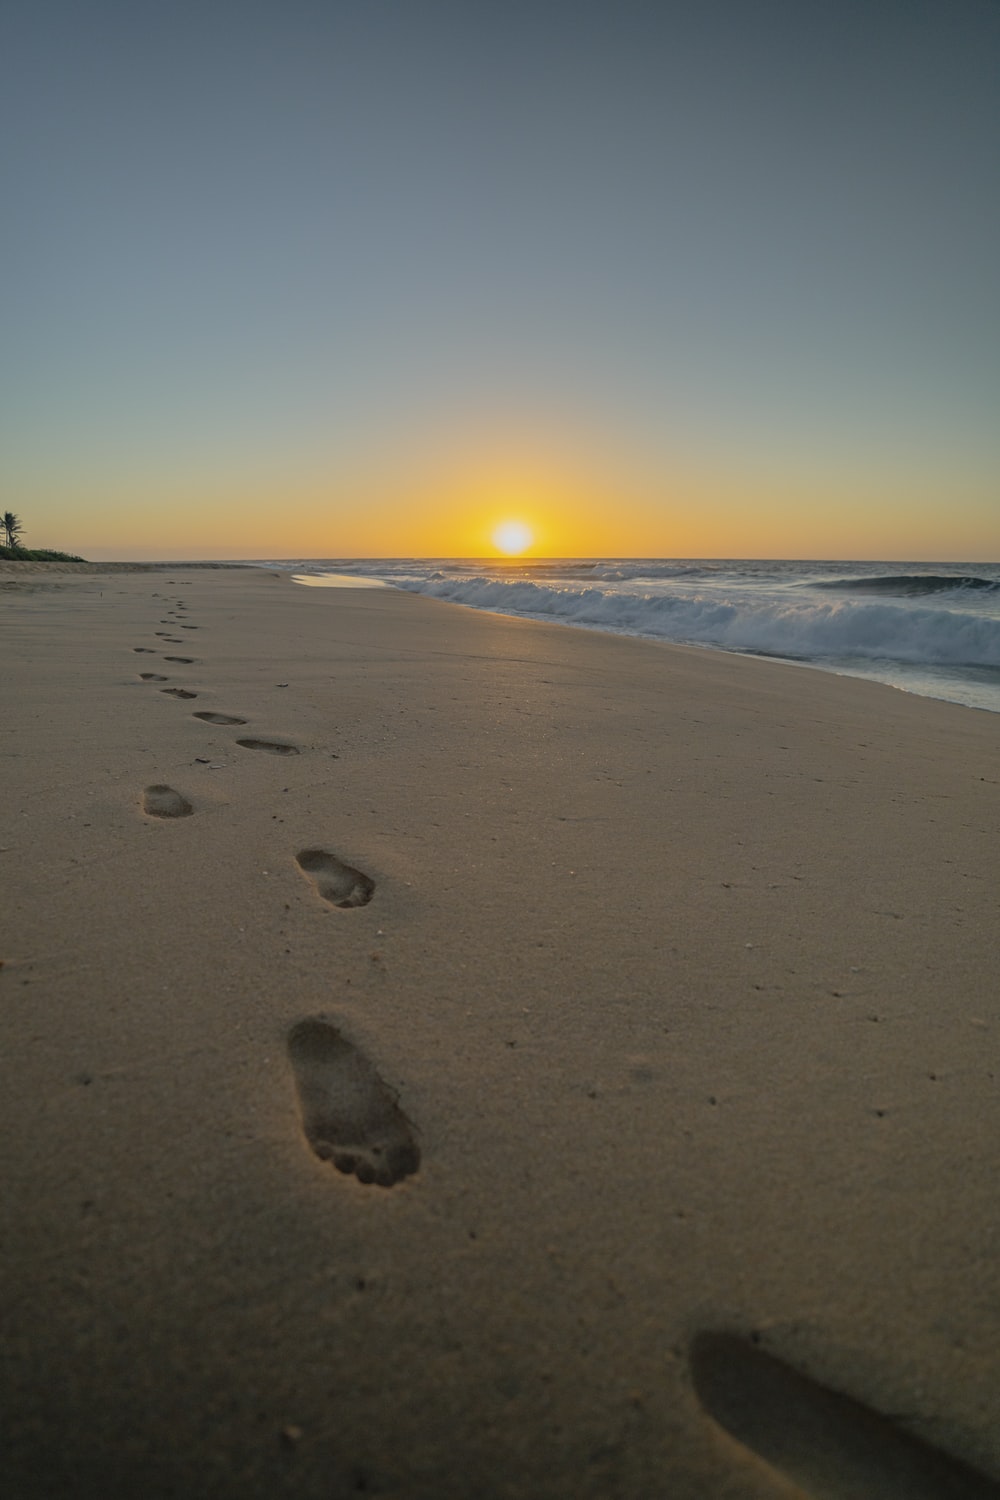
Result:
pixel 12 526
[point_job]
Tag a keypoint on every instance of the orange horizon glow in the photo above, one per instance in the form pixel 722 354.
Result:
pixel 570 505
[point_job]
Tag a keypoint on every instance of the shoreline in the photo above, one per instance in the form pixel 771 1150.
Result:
pixel 679 969
pixel 936 635
pixel 11 568
pixel 946 692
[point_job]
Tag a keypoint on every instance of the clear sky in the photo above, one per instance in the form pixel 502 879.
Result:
pixel 367 277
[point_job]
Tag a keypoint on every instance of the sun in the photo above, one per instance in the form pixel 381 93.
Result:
pixel 512 537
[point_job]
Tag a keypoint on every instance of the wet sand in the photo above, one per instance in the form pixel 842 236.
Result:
pixel 445 1054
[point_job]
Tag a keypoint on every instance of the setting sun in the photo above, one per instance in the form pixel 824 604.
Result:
pixel 513 537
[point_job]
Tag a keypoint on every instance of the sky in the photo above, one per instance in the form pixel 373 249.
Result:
pixel 351 278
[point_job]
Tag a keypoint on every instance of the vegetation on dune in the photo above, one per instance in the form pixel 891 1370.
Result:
pixel 12 526
pixel 12 551
pixel 36 554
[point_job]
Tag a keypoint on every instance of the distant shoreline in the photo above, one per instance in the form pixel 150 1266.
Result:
pixel 29 565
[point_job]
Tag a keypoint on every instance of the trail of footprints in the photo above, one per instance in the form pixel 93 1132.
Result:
pixel 152 803
pixel 828 1444
pixel 349 1115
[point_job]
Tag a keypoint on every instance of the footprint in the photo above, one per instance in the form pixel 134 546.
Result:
pixel 349 1116
pixel 190 627
pixel 336 882
pixel 271 746
pixel 219 718
pixel 153 677
pixel 144 650
pixel 178 692
pixel 829 1444
pixel 187 661
pixel 164 802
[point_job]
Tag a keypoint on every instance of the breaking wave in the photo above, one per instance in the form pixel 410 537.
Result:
pixel 766 626
pixel 906 585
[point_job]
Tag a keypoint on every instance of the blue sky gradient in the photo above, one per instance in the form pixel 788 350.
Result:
pixel 305 252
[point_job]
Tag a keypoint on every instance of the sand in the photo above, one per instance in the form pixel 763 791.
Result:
pixel 480 1057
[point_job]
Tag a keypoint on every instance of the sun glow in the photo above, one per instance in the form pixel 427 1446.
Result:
pixel 513 538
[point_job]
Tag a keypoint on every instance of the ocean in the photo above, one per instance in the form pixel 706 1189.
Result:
pixel 926 628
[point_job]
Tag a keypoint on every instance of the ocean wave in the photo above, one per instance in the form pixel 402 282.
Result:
pixel 909 584
pixel 637 571
pixel 798 630
pixel 588 570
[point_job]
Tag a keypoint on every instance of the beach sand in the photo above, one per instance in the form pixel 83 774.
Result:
pixel 665 998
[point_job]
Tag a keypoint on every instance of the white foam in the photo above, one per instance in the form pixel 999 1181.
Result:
pixel 339 581
pixel 744 621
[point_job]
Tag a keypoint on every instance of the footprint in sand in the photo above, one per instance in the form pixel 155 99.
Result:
pixel 178 692
pixel 153 677
pixel 187 661
pixel 164 802
pixel 190 627
pixel 144 650
pixel 349 1116
pixel 336 882
pixel 210 718
pixel 271 746
pixel 828 1444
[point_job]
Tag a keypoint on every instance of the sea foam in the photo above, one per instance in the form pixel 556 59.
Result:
pixel 744 622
